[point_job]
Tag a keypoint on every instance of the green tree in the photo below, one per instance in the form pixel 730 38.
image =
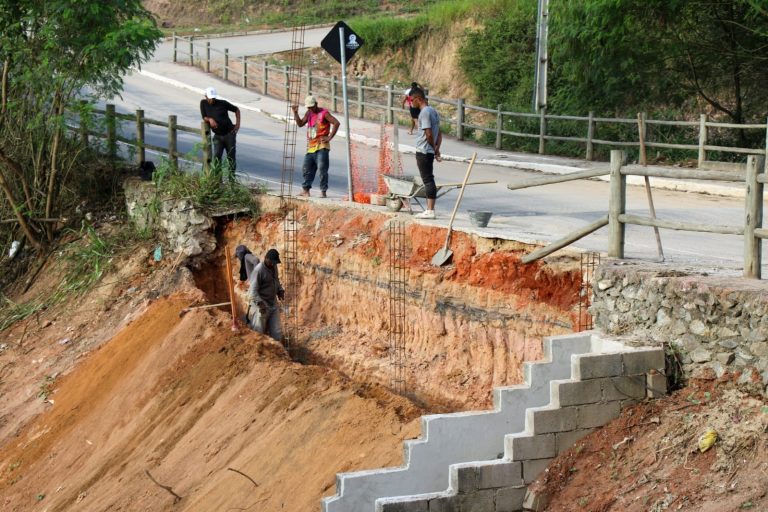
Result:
pixel 626 55
pixel 52 51
pixel 498 60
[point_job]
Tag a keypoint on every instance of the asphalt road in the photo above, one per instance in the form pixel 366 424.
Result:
pixel 541 214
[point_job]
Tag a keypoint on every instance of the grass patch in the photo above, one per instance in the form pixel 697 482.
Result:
pixel 207 190
pixel 88 256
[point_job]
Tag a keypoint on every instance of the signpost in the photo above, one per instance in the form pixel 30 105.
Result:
pixel 342 43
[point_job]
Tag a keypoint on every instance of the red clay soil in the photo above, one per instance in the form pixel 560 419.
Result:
pixel 97 392
pixel 198 407
pixel 649 460
pixel 470 324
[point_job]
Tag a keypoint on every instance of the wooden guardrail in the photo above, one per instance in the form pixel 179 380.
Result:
pixel 753 177
pixel 459 116
pixel 108 132
pixel 617 219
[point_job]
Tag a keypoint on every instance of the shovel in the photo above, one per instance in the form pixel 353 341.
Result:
pixel 444 255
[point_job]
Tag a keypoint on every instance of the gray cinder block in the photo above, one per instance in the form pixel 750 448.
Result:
pixel 594 366
pixel 597 415
pixel 503 474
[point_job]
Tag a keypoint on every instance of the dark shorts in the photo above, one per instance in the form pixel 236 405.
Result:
pixel 414 112
pixel 426 164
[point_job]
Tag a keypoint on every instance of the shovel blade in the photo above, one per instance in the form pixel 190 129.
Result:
pixel 442 257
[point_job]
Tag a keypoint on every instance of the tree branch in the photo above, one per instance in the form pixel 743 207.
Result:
pixel 25 226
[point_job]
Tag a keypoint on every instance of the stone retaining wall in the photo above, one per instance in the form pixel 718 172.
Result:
pixel 718 323
pixel 188 230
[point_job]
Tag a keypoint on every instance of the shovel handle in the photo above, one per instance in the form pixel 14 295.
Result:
pixel 458 200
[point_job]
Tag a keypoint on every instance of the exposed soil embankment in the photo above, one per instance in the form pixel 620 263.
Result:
pixel 191 402
pixel 469 325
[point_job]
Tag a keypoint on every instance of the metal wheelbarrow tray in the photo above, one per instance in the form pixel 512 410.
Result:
pixel 404 188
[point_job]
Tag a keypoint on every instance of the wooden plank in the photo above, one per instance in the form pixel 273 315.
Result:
pixel 549 180
pixel 685 174
pixel 566 139
pixel 738 126
pixel 567 240
pixel 639 220
pixel 692 147
pixel 744 151
pixel 614 143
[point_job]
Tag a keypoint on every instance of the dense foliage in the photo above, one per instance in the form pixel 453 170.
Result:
pixel 51 51
pixel 628 55
pixel 624 56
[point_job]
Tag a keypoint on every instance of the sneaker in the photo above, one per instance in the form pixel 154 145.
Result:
pixel 426 214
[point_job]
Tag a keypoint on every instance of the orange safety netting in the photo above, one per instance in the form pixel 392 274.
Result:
pixel 367 181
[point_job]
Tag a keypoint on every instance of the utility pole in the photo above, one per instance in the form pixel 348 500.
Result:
pixel 542 57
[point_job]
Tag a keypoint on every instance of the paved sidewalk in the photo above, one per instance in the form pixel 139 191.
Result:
pixel 367 132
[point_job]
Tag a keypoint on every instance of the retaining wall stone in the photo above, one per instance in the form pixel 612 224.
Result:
pixel 187 229
pixel 719 324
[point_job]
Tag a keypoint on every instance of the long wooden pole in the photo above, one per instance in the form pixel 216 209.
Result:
pixel 567 240
pixel 231 288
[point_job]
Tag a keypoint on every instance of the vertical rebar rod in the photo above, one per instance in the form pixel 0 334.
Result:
pixel 287 205
pixel 397 321
pixel 589 262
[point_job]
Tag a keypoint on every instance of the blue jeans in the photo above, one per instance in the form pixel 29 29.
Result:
pixel 314 162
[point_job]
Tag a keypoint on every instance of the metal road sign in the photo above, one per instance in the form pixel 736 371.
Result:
pixel 352 42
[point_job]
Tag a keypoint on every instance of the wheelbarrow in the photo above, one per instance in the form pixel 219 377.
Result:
pixel 403 189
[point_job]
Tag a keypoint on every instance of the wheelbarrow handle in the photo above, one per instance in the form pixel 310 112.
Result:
pixel 459 185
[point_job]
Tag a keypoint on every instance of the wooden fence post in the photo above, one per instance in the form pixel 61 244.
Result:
pixel 590 136
pixel 766 145
pixel 245 72
pixel 264 77
pixel 175 46
pixel 390 104
pixel 702 139
pixel 616 205
pixel 641 133
pixel 499 125
pixel 83 125
pixel 226 64
pixel 333 94
pixel 360 98
pixel 111 133
pixel 206 146
pixel 207 56
pixel 141 153
pixel 173 156
pixel 460 119
pixel 542 129
pixel 753 209
pixel 287 83
pixel 309 80
pixel 191 51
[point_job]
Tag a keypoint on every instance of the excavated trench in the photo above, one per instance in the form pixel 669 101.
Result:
pixel 469 325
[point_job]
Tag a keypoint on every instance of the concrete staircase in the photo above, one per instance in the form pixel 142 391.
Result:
pixel 483 460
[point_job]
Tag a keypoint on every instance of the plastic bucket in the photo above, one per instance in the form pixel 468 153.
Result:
pixel 479 219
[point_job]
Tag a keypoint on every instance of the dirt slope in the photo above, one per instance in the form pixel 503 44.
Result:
pixel 197 406
pixel 649 460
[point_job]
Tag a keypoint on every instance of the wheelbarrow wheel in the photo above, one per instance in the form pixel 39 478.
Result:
pixel 394 204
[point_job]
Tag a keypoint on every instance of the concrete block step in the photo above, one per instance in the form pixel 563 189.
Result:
pixel 449 439
pixel 600 384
